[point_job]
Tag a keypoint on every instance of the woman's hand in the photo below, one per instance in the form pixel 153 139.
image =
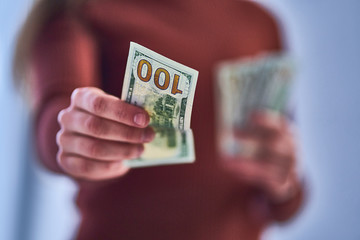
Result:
pixel 99 131
pixel 268 158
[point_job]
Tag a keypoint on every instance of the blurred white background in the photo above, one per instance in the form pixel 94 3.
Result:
pixel 323 35
pixel 34 205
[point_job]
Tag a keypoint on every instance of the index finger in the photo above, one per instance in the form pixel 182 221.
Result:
pixel 97 102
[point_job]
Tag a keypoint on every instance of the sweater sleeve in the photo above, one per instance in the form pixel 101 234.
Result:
pixel 64 57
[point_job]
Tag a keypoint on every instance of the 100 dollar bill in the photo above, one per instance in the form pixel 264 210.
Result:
pixel 262 83
pixel 165 89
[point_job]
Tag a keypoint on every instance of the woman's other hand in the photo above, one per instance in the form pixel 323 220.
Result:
pixel 268 158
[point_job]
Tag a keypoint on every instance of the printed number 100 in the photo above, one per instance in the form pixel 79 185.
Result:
pixel 158 72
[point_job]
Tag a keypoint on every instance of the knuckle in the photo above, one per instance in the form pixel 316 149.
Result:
pixel 79 167
pixel 60 160
pixel 76 93
pixel 128 152
pixel 65 162
pixel 64 116
pixel 122 113
pixel 130 135
pixel 61 118
pixel 75 166
pixel 85 167
pixel 107 166
pixel 98 104
pixel 60 138
pixel 94 125
pixel 139 135
pixel 95 149
pixel 60 156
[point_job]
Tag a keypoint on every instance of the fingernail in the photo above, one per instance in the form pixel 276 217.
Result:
pixel 140 119
pixel 149 135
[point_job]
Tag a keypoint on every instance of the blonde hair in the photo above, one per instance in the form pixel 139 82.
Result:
pixel 41 12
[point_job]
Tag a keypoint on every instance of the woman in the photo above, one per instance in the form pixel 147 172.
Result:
pixel 76 52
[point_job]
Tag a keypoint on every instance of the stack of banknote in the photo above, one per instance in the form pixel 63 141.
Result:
pixel 248 85
pixel 165 89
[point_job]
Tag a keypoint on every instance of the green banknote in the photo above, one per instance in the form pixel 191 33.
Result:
pixel 165 89
pixel 247 85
